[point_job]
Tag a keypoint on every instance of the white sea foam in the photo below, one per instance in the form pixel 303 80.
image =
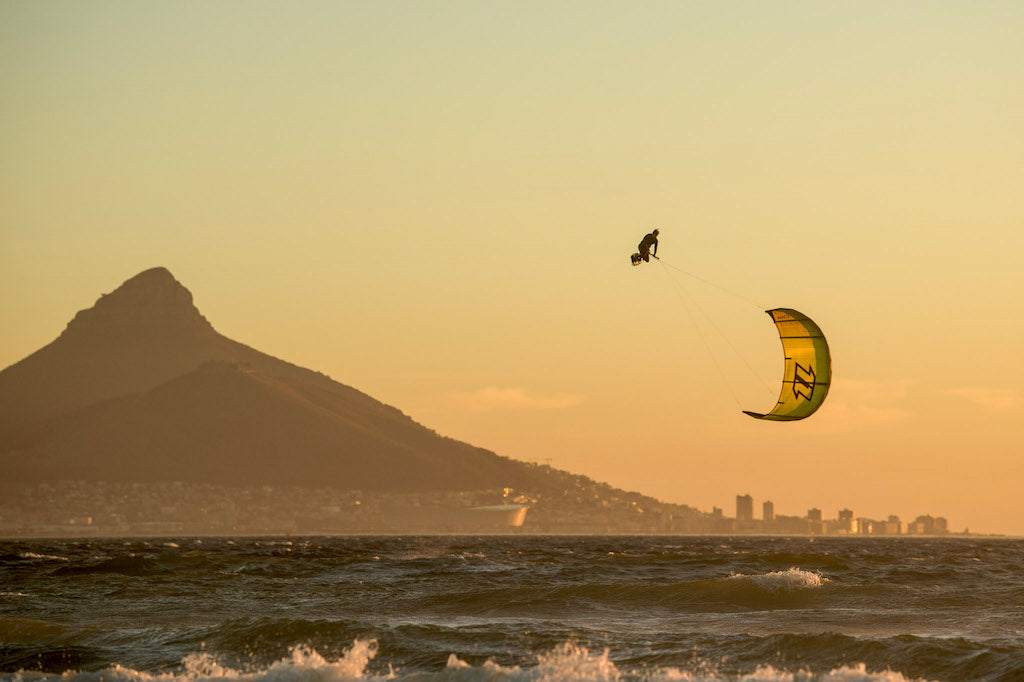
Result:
pixel 784 581
pixel 33 555
pixel 301 665
pixel 571 662
pixel 856 673
pixel 568 662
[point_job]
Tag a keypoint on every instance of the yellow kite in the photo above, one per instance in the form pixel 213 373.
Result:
pixel 808 372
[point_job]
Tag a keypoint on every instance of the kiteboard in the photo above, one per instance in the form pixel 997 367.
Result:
pixel 637 259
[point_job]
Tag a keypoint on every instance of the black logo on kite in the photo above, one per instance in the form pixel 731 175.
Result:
pixel 803 380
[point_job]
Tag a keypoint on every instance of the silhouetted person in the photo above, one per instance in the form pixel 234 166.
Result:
pixel 645 246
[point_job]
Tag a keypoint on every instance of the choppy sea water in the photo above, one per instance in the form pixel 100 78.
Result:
pixel 512 608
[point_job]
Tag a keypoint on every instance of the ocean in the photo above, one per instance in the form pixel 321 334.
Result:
pixel 512 608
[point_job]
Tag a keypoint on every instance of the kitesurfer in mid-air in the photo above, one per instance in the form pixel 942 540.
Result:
pixel 646 243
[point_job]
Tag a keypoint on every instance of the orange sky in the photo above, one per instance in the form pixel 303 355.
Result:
pixel 435 203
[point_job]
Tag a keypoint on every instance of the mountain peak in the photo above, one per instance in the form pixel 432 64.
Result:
pixel 157 274
pixel 144 333
pixel 153 298
pixel 153 287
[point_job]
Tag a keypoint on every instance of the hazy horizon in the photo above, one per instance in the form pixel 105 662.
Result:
pixel 435 204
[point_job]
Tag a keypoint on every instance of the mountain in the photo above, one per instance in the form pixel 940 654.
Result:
pixel 140 392
pixel 140 387
pixel 143 334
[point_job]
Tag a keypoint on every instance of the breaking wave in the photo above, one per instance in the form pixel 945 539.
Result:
pixel 568 662
pixel 773 590
pixel 51 557
pixel 784 581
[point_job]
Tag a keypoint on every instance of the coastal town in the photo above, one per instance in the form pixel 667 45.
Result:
pixel 813 523
pixel 580 505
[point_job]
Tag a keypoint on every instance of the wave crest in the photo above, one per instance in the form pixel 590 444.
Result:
pixel 568 662
pixel 784 581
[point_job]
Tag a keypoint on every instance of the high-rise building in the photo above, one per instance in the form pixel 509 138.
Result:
pixel 867 526
pixel 846 523
pixel 768 510
pixel 744 508
pixel 924 524
pixel 814 515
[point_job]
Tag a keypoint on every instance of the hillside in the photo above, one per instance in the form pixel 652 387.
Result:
pixel 140 388
pixel 227 423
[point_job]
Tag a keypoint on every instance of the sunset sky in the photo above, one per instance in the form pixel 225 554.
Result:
pixel 436 202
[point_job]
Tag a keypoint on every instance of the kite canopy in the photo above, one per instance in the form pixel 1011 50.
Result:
pixel 808 370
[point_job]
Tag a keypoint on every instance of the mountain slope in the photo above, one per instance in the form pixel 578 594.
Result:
pixel 228 424
pixel 140 387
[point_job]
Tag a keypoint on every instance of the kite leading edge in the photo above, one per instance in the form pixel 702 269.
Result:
pixel 808 371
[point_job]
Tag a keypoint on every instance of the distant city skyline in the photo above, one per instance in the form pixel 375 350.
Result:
pixel 845 521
